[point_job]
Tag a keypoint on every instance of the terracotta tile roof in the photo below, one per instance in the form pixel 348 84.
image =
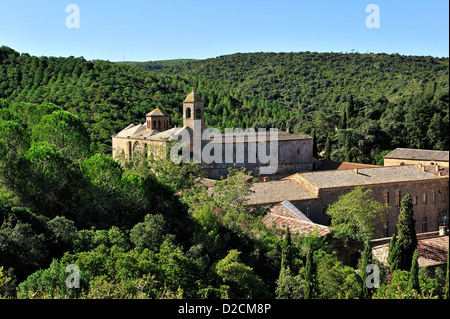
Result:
pixel 276 192
pixel 254 137
pixel 131 130
pixel 284 217
pixel 432 251
pixel 365 176
pixel 326 165
pixel 348 165
pixel 157 112
pixel 193 97
pixel 437 170
pixel 418 154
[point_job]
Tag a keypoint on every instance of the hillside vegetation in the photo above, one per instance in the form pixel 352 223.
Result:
pixel 382 101
pixel 310 81
pixel 369 102
pixel 147 228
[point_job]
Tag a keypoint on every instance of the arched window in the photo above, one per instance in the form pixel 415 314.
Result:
pixel 198 114
pixel 137 149
pixel 188 113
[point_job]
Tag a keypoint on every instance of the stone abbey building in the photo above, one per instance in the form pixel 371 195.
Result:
pixel 259 153
pixel 313 192
pixel 305 192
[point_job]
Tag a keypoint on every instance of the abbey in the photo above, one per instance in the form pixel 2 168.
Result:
pixel 258 152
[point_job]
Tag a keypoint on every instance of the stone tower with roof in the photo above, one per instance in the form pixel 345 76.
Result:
pixel 158 120
pixel 193 112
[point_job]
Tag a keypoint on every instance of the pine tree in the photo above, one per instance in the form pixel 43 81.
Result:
pixel 414 273
pixel 407 239
pixel 367 260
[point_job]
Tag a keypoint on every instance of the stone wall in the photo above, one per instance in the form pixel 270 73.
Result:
pixel 126 146
pixel 315 209
pixel 293 156
pixel 397 162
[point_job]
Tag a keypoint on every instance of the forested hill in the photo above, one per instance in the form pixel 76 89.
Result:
pixel 364 103
pixel 106 96
pixel 369 102
pixel 314 80
pixel 157 65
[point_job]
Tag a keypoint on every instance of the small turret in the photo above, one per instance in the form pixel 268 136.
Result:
pixel 158 120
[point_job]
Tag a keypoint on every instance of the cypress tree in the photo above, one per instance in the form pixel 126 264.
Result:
pixel 447 288
pixel 309 275
pixel 343 121
pixel 393 256
pixel 414 273
pixel 315 150
pixel 407 239
pixel 351 107
pixel 367 260
pixel 327 154
pixel 284 284
pixel 286 252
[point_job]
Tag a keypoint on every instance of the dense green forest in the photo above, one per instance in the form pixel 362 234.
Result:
pixel 366 103
pixel 147 228
pixel 379 101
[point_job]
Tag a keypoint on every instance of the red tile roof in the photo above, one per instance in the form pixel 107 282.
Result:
pixel 283 218
pixel 327 165
pixel 432 251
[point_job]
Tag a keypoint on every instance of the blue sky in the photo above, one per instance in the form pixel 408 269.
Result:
pixel 140 30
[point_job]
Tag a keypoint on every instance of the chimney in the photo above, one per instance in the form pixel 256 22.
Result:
pixel 437 168
pixel 355 170
pixel 423 168
pixel 439 173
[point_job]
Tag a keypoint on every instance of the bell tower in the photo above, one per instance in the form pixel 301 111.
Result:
pixel 193 112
